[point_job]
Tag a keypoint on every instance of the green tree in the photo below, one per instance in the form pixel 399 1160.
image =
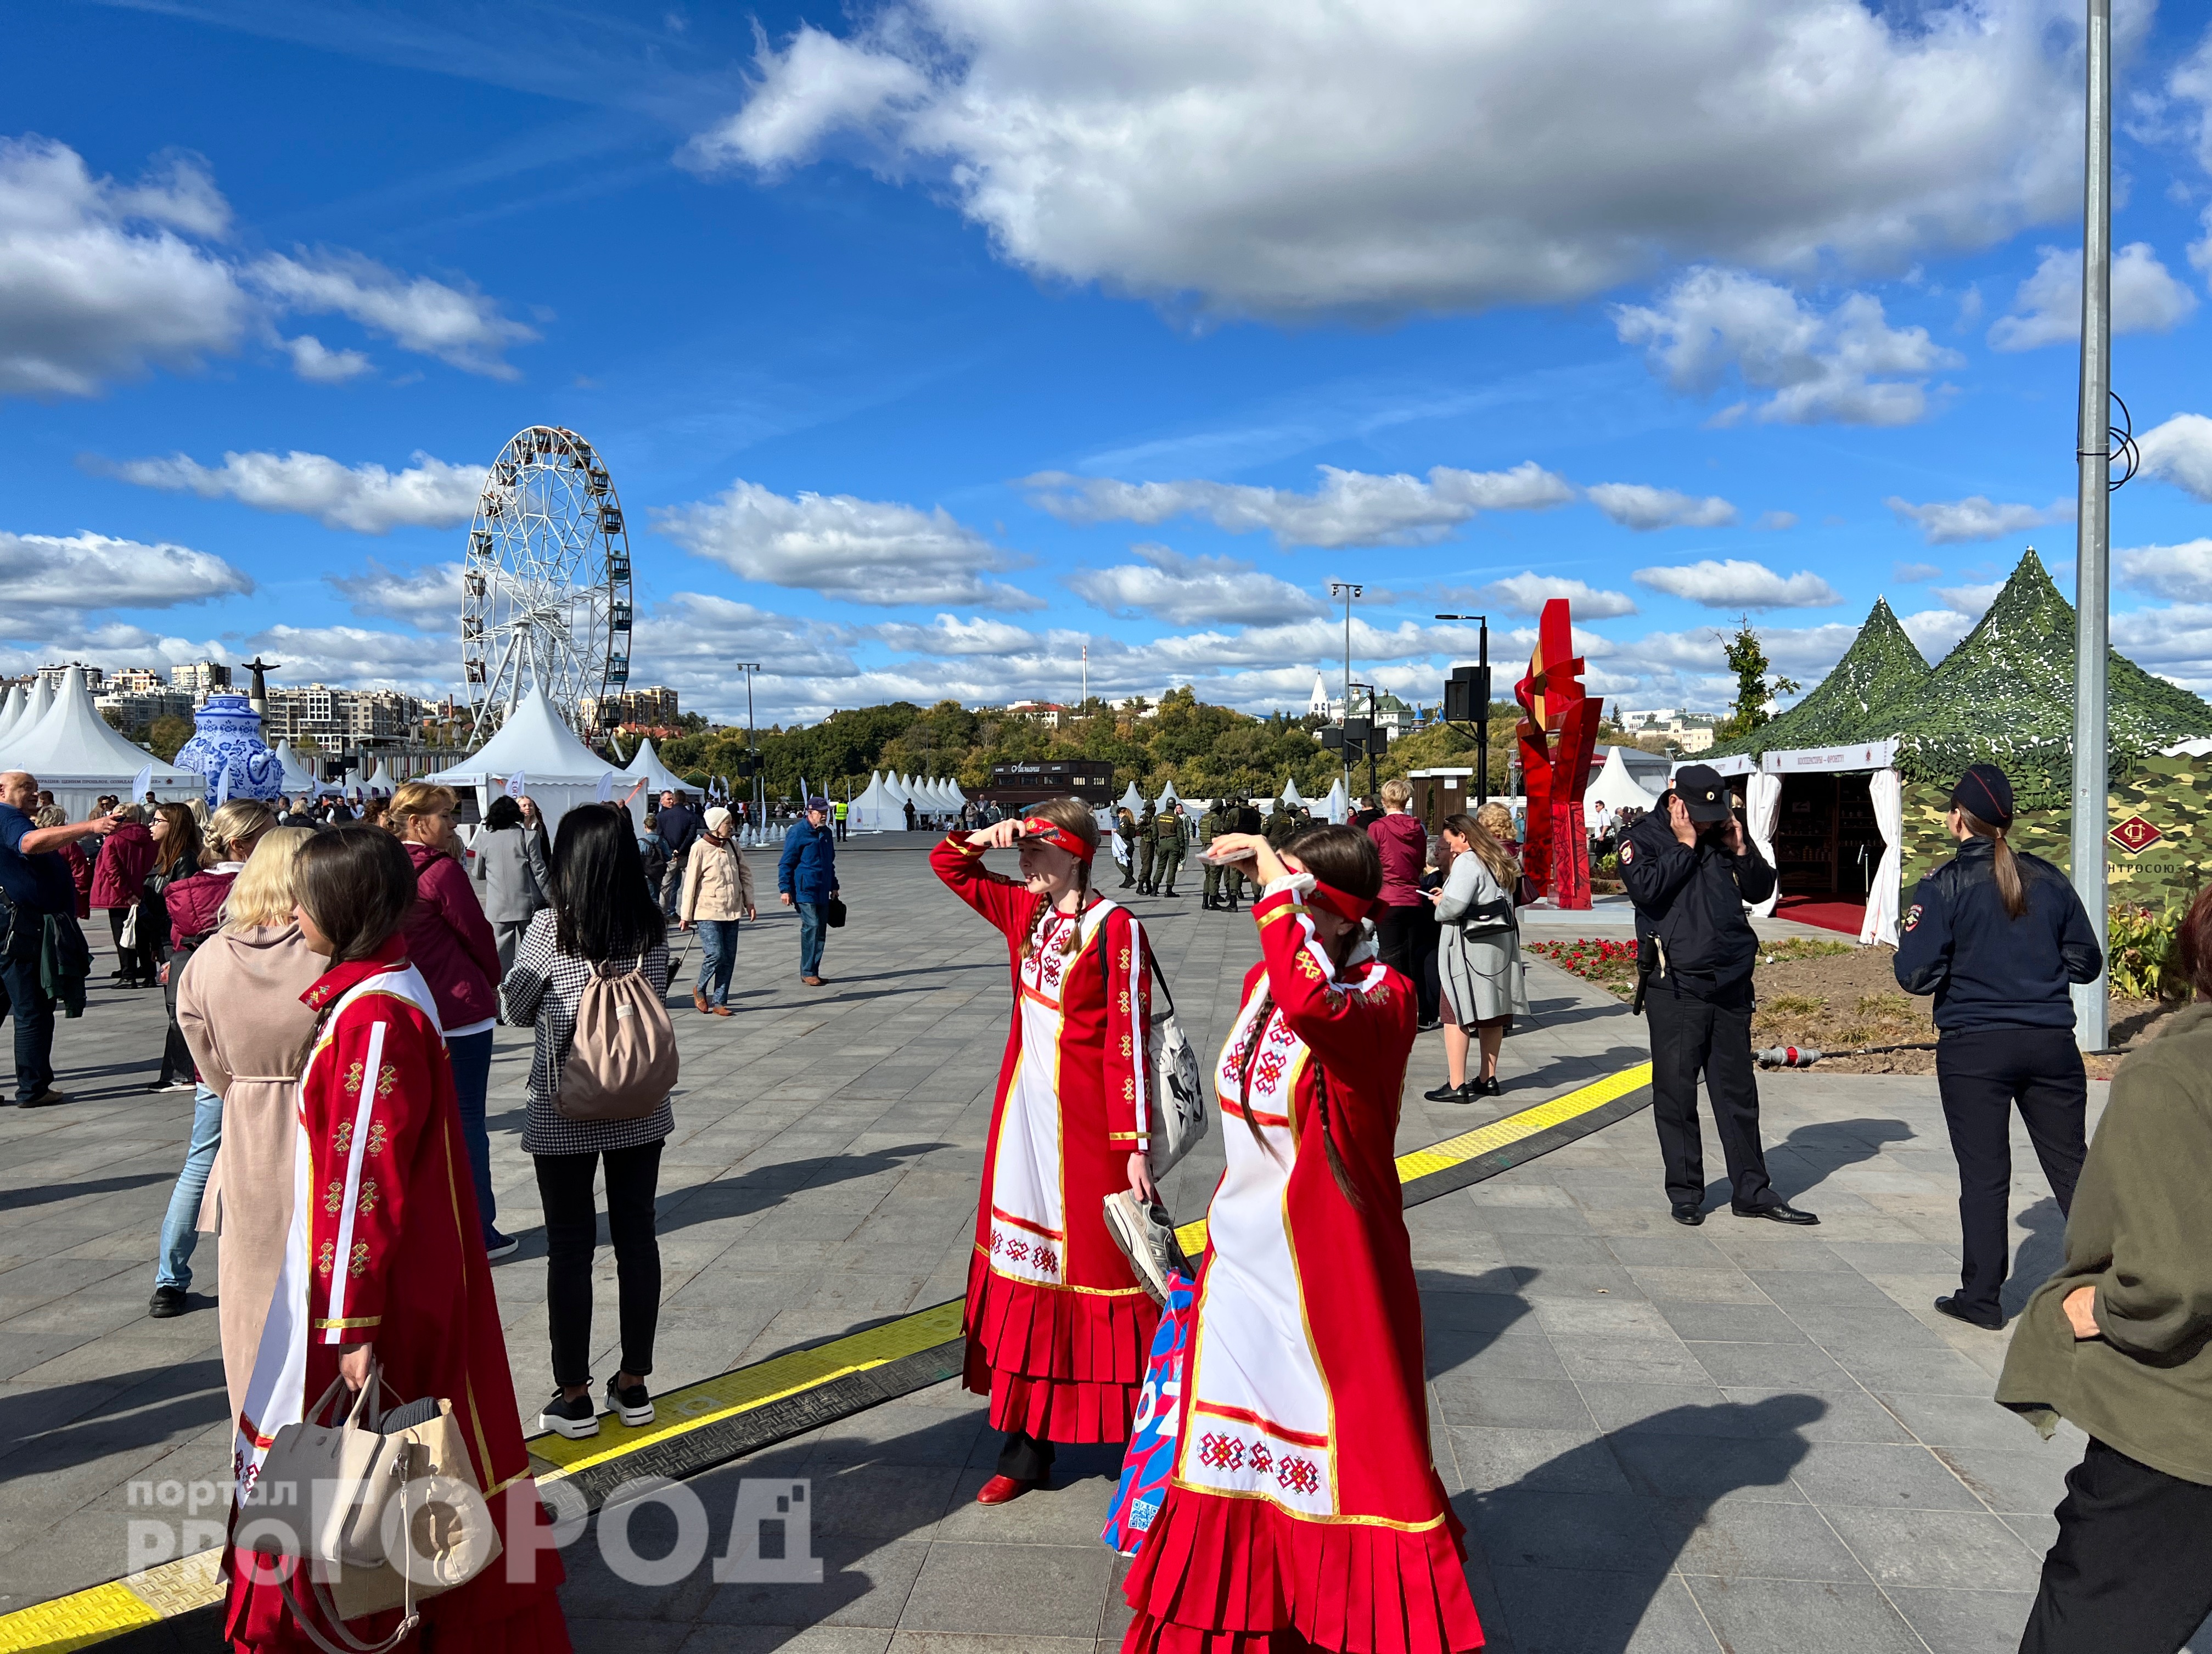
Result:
pixel 1746 658
pixel 166 735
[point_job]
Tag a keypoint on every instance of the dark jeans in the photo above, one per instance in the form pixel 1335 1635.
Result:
pixel 572 1235
pixel 2131 1570
pixel 471 1059
pixel 22 996
pixel 1396 934
pixel 1689 1034
pixel 1982 1073
pixel 811 931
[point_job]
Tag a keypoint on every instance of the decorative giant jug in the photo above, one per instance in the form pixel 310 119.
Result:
pixel 229 740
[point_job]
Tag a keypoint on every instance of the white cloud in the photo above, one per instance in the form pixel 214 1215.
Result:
pixel 2191 83
pixel 866 550
pixel 1350 508
pixel 318 365
pixel 1192 591
pixel 428 598
pixel 1640 506
pixel 1738 584
pixel 1936 632
pixel 2183 572
pixel 1849 365
pixel 1528 592
pixel 2175 641
pixel 948 634
pixel 368 498
pixel 1282 159
pixel 2146 298
pixel 361 657
pixel 2179 452
pixel 1970 601
pixel 1953 522
pixel 1775 521
pixel 690 641
pixel 1912 574
pixel 458 325
pixel 102 281
pixel 73 572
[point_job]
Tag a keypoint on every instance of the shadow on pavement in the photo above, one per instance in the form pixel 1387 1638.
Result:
pixel 2039 1255
pixel 70 1424
pixel 45 1194
pixel 1580 1549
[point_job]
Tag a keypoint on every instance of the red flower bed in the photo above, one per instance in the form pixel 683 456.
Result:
pixel 1612 963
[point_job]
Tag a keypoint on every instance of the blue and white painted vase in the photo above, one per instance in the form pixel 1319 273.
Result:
pixel 229 738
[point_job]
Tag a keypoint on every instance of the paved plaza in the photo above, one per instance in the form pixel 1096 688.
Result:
pixel 1741 1438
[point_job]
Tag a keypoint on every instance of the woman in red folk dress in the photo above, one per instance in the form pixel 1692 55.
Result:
pixel 1057 1325
pixel 386 1260
pixel 1304 1511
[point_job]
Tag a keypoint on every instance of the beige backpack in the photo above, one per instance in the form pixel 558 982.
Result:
pixel 622 1061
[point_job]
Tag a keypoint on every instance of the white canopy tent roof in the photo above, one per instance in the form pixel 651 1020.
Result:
pixel 1290 795
pixel 1615 788
pixel 381 781
pixel 875 810
pixel 11 710
pixel 298 779
pixel 1132 801
pixel 1336 807
pixel 558 770
pixel 645 766
pixel 74 755
pixel 1168 798
pixel 38 701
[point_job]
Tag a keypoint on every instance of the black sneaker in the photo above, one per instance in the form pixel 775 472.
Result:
pixel 633 1405
pixel 1446 1093
pixel 574 1418
pixel 167 1302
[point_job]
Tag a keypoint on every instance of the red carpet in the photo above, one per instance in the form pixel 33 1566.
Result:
pixel 1844 916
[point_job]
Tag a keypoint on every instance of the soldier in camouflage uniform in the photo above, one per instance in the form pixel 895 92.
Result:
pixel 1173 829
pixel 1282 826
pixel 1125 830
pixel 1148 847
pixel 1217 821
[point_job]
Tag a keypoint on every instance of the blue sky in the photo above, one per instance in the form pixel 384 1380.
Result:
pixel 928 342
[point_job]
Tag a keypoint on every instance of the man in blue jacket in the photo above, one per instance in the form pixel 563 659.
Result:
pixel 807 878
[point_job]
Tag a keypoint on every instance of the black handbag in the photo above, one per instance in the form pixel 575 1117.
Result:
pixel 833 913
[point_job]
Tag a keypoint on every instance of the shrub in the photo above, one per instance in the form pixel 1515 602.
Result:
pixel 2142 954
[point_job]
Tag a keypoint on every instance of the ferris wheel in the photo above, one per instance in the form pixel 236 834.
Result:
pixel 545 588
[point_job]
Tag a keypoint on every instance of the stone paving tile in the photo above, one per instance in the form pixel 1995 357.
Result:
pixel 1660 1439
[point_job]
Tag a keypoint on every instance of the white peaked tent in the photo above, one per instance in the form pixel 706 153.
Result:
pixel 646 766
pixel 381 781
pixel 1615 788
pixel 11 710
pixel 875 810
pixel 1336 808
pixel 297 778
pixel 558 770
pixel 78 756
pixel 1132 801
pixel 38 701
pixel 1168 799
pixel 1290 794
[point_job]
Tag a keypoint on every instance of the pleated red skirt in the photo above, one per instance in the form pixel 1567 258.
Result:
pixel 1058 1363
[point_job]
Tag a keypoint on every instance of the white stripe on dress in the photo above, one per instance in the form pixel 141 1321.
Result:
pixel 336 1332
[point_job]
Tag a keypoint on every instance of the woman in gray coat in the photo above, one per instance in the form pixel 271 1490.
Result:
pixel 513 873
pixel 1479 957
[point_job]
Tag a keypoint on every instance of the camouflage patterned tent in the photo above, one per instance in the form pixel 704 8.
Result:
pixel 1865 698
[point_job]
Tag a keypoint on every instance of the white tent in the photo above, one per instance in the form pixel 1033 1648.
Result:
pixel 558 770
pixel 1132 801
pixel 1336 808
pixel 875 810
pixel 1168 799
pixel 1616 789
pixel 297 776
pixel 381 781
pixel 38 701
pixel 78 756
pixel 645 766
pixel 11 710
pixel 1290 795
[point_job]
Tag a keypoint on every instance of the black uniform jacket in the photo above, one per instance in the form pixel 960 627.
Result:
pixel 1691 897
pixel 1987 969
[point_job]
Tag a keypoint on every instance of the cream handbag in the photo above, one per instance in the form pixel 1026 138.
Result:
pixel 359 1487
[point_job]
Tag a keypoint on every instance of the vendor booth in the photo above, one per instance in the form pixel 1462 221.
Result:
pixel 559 771
pixel 77 755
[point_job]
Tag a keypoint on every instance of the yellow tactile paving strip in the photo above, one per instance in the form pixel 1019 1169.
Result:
pixel 90 1617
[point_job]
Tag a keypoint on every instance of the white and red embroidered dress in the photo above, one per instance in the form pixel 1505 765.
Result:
pixel 1057 1325
pixel 1304 1509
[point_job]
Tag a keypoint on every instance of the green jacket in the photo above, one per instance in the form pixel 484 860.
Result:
pixel 1148 828
pixel 1282 827
pixel 1218 823
pixel 2141 1233
pixel 1175 833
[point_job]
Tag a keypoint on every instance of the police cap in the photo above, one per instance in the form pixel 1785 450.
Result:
pixel 1702 790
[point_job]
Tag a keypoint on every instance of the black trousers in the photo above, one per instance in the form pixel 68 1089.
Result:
pixel 1690 1035
pixel 1982 1073
pixel 572 1233
pixel 1025 1458
pixel 2131 1570
pixel 1396 932
pixel 23 997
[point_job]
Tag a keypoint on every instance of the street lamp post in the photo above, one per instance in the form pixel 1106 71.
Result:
pixel 1346 590
pixel 2092 519
pixel 1482 704
pixel 752 758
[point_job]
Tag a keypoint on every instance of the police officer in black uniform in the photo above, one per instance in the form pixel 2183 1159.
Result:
pixel 1999 938
pixel 1689 869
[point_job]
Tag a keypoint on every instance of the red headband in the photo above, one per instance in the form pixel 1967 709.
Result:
pixel 1351 909
pixel 1035 827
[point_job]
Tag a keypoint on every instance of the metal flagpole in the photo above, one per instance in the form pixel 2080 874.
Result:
pixel 2094 517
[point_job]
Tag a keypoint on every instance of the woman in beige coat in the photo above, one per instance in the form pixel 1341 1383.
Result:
pixel 238 1006
pixel 718 891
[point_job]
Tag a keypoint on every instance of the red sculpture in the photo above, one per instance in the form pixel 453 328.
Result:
pixel 1557 738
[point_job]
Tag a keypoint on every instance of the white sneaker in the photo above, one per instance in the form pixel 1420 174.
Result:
pixel 634 1406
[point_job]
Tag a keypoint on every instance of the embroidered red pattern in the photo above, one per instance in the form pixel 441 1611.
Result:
pixel 1299 1475
pixel 1220 1453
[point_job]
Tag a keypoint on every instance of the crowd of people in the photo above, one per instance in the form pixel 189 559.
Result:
pixel 332 992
